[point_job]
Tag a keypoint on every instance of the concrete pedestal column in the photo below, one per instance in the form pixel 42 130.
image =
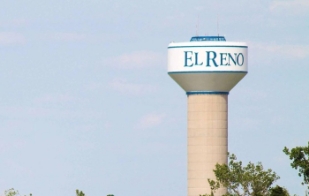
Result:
pixel 207 139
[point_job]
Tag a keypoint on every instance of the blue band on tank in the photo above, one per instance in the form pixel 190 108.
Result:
pixel 199 72
pixel 207 93
pixel 212 46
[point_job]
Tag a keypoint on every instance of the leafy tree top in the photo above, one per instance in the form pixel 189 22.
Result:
pixel 241 180
pixel 12 192
pixel 300 161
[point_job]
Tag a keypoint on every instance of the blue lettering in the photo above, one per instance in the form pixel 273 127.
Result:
pixel 188 58
pixel 223 58
pixel 231 57
pixel 196 59
pixel 226 59
pixel 213 59
pixel 242 59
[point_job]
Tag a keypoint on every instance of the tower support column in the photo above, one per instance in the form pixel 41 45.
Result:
pixel 207 139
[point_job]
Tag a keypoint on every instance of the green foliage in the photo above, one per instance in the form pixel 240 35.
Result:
pixel 278 191
pixel 300 161
pixel 79 193
pixel 248 180
pixel 12 192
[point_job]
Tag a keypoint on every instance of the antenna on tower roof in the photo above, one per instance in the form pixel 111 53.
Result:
pixel 218 24
pixel 197 25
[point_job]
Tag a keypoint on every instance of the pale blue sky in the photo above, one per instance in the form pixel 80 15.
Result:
pixel 86 101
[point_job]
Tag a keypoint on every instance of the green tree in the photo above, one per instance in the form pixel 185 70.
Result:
pixel 79 193
pixel 300 161
pixel 278 191
pixel 12 192
pixel 249 180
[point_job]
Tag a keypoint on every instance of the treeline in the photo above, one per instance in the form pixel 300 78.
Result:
pixel 13 192
pixel 249 180
pixel 254 180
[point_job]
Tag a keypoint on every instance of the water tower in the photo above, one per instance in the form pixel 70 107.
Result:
pixel 207 68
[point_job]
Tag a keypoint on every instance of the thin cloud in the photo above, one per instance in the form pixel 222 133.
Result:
pixel 18 22
pixel 252 94
pixel 293 51
pixel 138 59
pixel 24 113
pixel 6 146
pixel 11 38
pixel 55 98
pixel 67 37
pixel 279 119
pixel 18 168
pixel 176 19
pixel 199 8
pixel 295 6
pixel 123 86
pixel 150 120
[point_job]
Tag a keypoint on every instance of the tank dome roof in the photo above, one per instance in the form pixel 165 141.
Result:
pixel 207 38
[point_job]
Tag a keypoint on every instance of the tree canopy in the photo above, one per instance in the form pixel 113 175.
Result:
pixel 300 160
pixel 278 191
pixel 241 180
pixel 79 193
pixel 13 192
